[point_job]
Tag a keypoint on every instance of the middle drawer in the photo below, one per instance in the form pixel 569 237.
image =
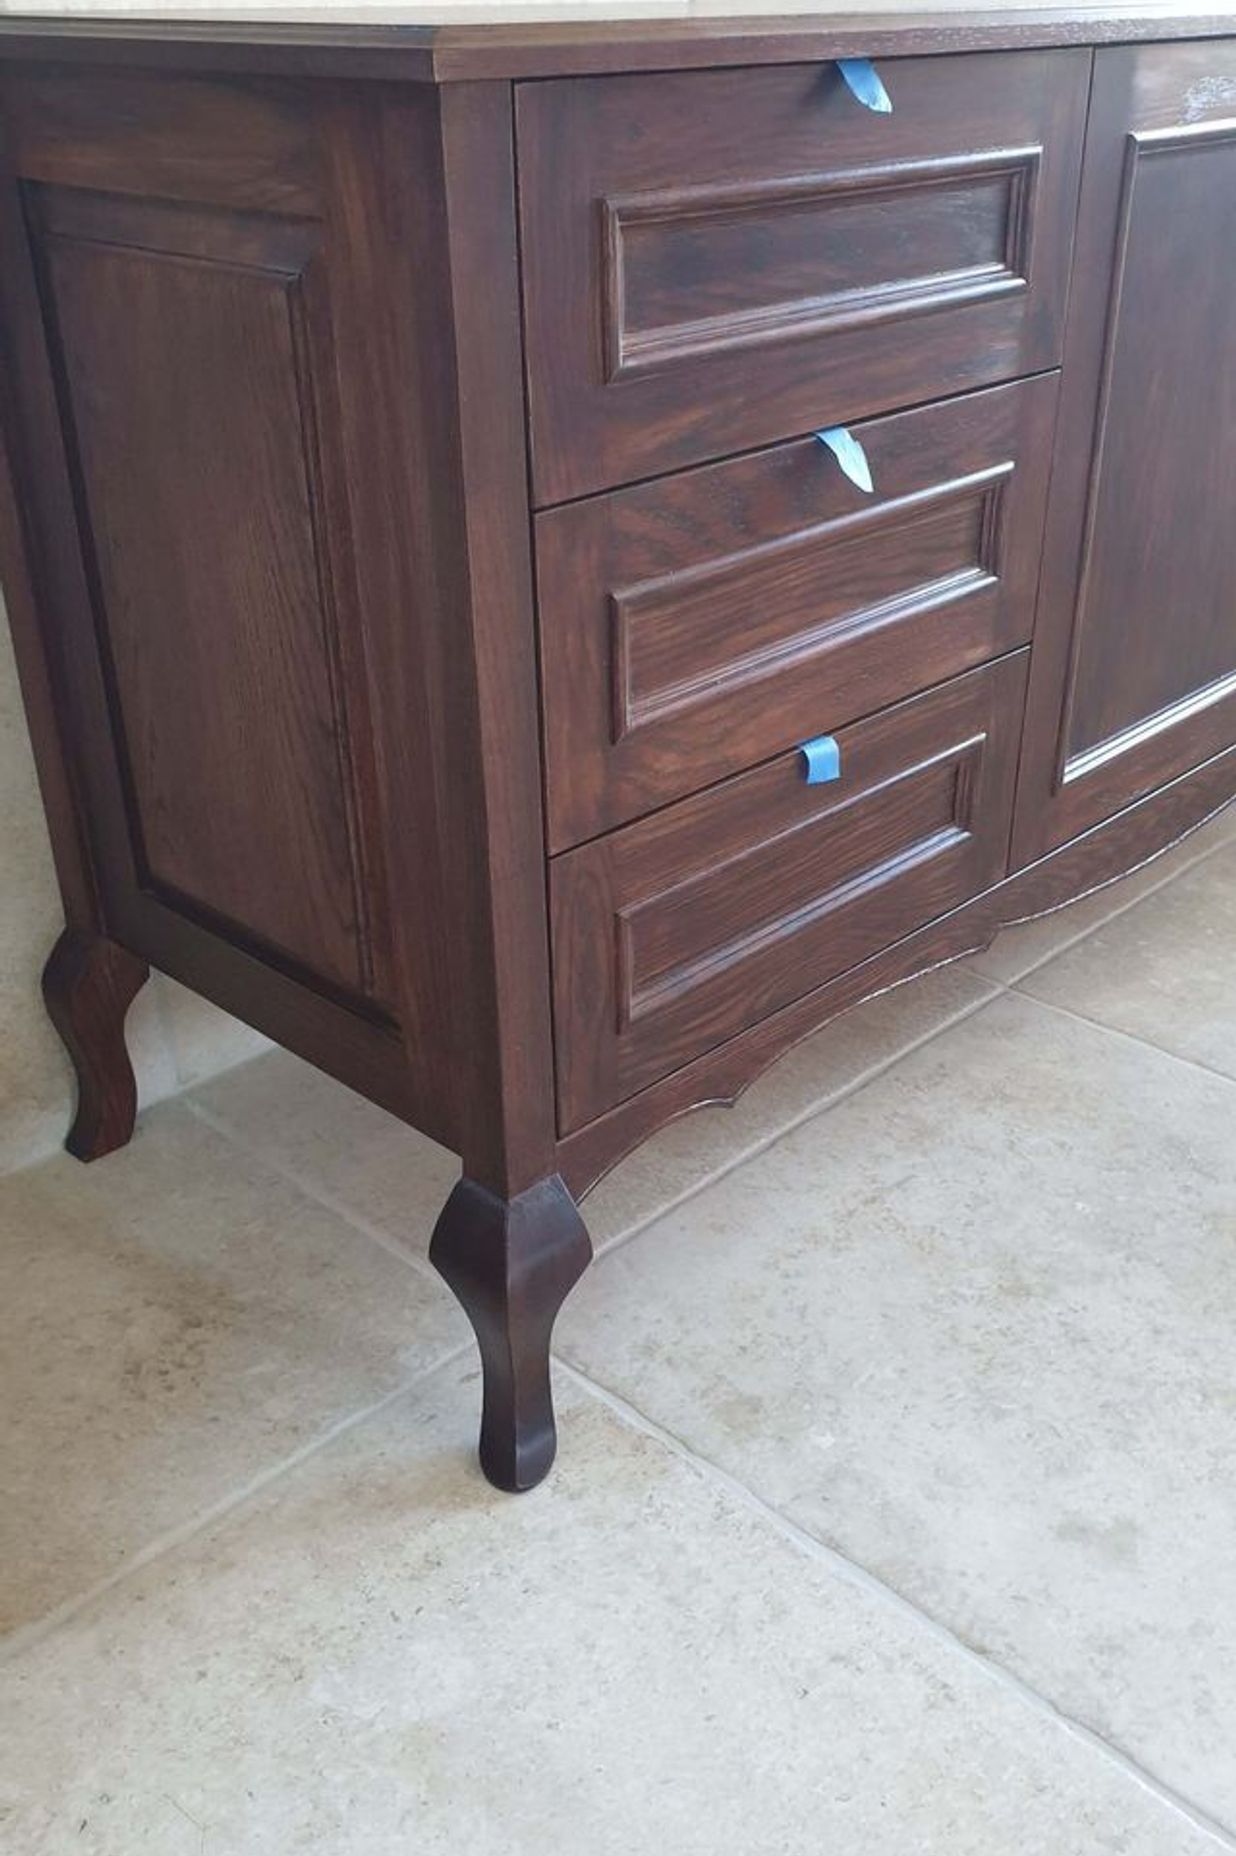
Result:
pixel 694 626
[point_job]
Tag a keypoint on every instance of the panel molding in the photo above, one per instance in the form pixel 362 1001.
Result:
pixel 1080 766
pixel 986 489
pixel 284 254
pixel 627 351
pixel 1140 145
pixel 637 1001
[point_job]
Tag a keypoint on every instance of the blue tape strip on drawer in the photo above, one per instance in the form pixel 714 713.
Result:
pixel 866 84
pixel 849 454
pixel 823 759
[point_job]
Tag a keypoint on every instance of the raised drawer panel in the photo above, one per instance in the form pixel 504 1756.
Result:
pixel 674 934
pixel 717 259
pixel 693 626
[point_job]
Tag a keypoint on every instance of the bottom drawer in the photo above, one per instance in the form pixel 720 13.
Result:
pixel 676 932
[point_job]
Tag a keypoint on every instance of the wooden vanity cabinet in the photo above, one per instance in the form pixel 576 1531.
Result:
pixel 456 633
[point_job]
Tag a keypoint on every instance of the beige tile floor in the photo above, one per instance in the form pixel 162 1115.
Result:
pixel 896 1509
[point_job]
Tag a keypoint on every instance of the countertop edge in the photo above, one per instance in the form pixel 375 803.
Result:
pixel 459 53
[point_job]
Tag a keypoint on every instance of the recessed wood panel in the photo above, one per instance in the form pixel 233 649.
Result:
pixel 1135 666
pixel 708 269
pixel 714 260
pixel 694 626
pixel 1168 449
pixel 183 344
pixel 676 932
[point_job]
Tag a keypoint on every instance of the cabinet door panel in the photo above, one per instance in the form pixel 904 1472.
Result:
pixel 1134 675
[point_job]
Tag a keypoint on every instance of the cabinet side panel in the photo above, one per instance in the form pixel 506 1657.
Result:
pixel 425 285
pixel 212 433
pixel 183 359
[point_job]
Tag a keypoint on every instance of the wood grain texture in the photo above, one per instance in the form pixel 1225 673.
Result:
pixel 69 707
pixel 38 680
pixel 281 660
pixel 690 291
pixel 424 288
pixel 168 138
pixel 708 269
pixel 184 348
pixel 512 1265
pixel 414 490
pixel 702 623
pixel 1134 675
pixel 88 986
pixel 413 51
pixel 673 934
pixel 507 1141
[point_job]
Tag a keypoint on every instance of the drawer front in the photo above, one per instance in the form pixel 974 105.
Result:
pixel 694 626
pixel 678 931
pixel 714 260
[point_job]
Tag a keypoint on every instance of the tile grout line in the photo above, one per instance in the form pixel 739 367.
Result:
pixel 1127 1037
pixel 21 1639
pixel 227 1131
pixel 327 1200
pixel 24 1637
pixel 27 1635
pixel 818 1108
pixel 853 1573
pixel 856 1575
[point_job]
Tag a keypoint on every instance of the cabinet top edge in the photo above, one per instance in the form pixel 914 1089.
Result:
pixel 474 51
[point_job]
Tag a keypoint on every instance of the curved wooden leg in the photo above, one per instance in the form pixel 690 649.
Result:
pixel 89 984
pixel 512 1263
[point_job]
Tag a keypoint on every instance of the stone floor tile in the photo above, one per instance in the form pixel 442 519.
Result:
pixel 973 1327
pixel 1164 971
pixel 335 1144
pixel 176 1320
pixel 379 1655
pixel 392 1178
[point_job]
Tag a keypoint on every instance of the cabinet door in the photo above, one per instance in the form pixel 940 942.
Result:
pixel 1134 673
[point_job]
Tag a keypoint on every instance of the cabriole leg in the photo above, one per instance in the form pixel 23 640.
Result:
pixel 89 984
pixel 512 1262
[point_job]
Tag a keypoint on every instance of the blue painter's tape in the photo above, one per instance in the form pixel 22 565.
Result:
pixel 823 758
pixel 866 84
pixel 849 454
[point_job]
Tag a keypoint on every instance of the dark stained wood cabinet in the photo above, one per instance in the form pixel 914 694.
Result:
pixel 437 548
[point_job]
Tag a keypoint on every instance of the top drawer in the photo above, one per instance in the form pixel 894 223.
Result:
pixel 716 259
